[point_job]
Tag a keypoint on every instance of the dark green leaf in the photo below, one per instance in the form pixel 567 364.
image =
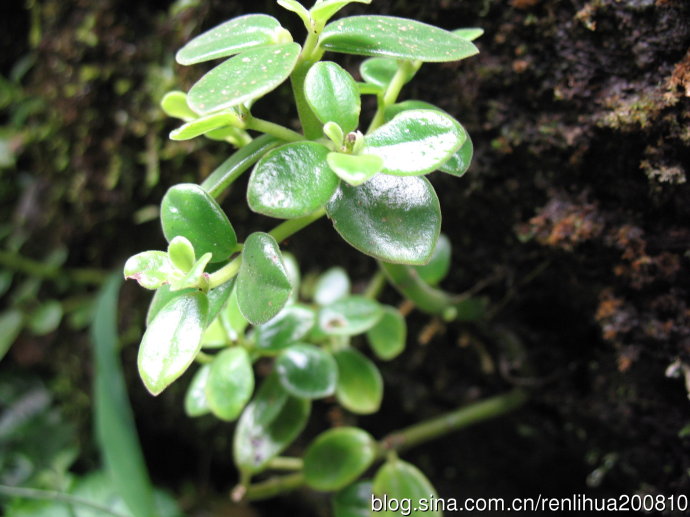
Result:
pixel 11 323
pixel 289 326
pixel 415 142
pixel 349 316
pixel 195 403
pixel 231 37
pixel 412 104
pixel 151 269
pixel 372 35
pixel 175 105
pixel 188 210
pixel 360 385
pixel 353 501
pixel 243 78
pixel 307 371
pixel 231 317
pixel 391 218
pixel 292 181
pixel 172 341
pixel 230 383
pixel 46 318
pixel 354 169
pixel 217 298
pixel 268 425
pixel 458 164
pixel 388 337
pixel 263 285
pixel 337 457
pixel 439 265
pixel 400 480
pixel 331 286
pixel 380 71
pixel 332 95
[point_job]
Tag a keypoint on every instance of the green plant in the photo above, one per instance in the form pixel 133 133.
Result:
pixel 225 304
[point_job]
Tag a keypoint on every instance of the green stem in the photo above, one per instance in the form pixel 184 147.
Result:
pixel 292 226
pixel 274 486
pixel 376 285
pixel 285 463
pixel 52 495
pixel 271 128
pixel 391 93
pixel 38 269
pixel 226 273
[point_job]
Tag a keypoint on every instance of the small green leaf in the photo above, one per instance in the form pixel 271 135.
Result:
pixel 46 318
pixel 268 425
pixel 172 341
pixel 289 326
pixel 243 78
pixel 229 38
pixel 349 316
pixel 230 383
pixel 11 323
pixel 334 132
pixel 292 181
pixel 354 169
pixel 332 285
pixel 337 457
pixel 439 265
pixel 322 11
pixel 391 218
pixel 263 285
pixel 188 210
pixel 400 480
pixel 388 337
pixel 469 33
pixel 360 385
pixel 195 403
pixel 297 8
pixel 415 142
pixel 307 371
pixel 206 124
pixel 353 500
pixel 151 269
pixel 195 277
pixel 411 104
pixel 332 95
pixel 181 253
pixel 388 36
pixel 174 104
pixel 380 71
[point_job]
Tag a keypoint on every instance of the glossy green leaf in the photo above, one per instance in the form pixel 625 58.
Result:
pixel 439 265
pixel 174 104
pixel 11 323
pixel 334 132
pixel 332 95
pixel 181 253
pixel 151 269
pixel 232 319
pixel 388 337
pixel 243 78
pixel 337 457
pixel 172 341
pixel 400 480
pixel 215 335
pixel 206 124
pixel 349 316
pixel 360 385
pixel 469 33
pixel 263 285
pixel 188 210
pixel 291 181
pixel 231 37
pixel 268 425
pixel 353 500
pixel 113 419
pixel 292 268
pixel 289 326
pixel 307 371
pixel 46 318
pixel 354 169
pixel 195 277
pixel 381 70
pixel 216 299
pixel 415 142
pixel 297 8
pixel 332 285
pixel 230 383
pixel 460 162
pixel 322 11
pixel 372 35
pixel 411 104
pixel 392 218
pixel 195 403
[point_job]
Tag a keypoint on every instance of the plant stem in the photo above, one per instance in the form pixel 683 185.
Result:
pixel 285 463
pixel 53 495
pixel 271 128
pixel 274 486
pixel 31 267
pixel 292 226
pixel 376 285
pixel 226 273
pixel 391 93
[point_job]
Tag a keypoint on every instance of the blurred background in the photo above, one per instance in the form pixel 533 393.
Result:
pixel 573 221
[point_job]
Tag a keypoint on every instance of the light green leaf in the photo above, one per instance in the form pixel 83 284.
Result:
pixel 371 35
pixel 354 169
pixel 263 285
pixel 46 318
pixel 353 500
pixel 188 210
pixel 231 37
pixel 11 323
pixel 415 142
pixel 243 78
pixel 411 104
pixel 195 277
pixel 230 383
pixel 332 95
pixel 332 285
pixel 206 124
pixel 181 253
pixel 323 11
pixel 337 457
pixel 381 70
pixel 174 104
pixel 334 132
pixel 215 335
pixel 391 218
pixel 469 33
pixel 289 326
pixel 151 269
pixel 388 337
pixel 349 316
pixel 172 341
pixel 307 371
pixel 439 265
pixel 232 319
pixel 292 181
pixel 195 403
pixel 292 268
pixel 400 480
pixel 301 11
pixel 360 385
